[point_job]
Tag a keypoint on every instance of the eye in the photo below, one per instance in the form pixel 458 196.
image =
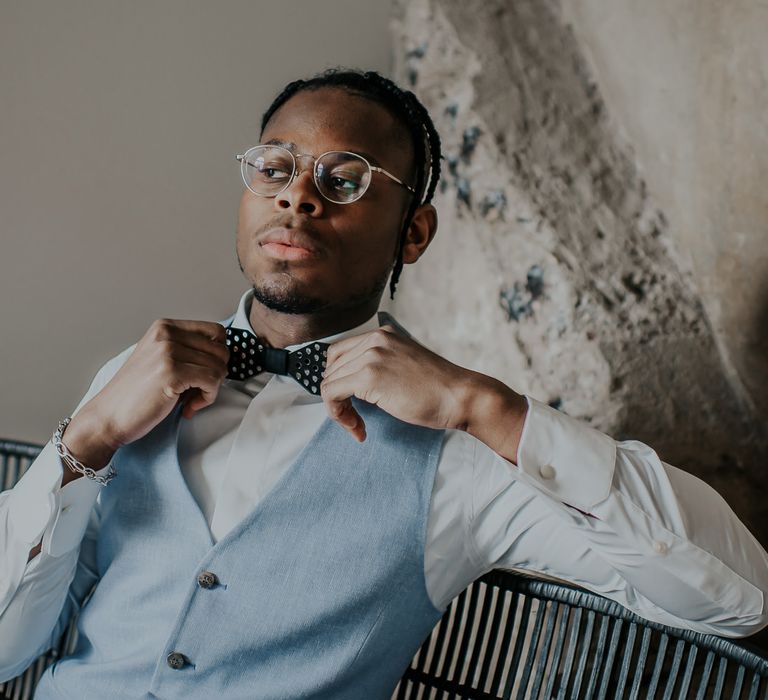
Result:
pixel 274 171
pixel 345 180
pixel 344 184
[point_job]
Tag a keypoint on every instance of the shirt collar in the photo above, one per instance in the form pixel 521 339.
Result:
pixel 242 315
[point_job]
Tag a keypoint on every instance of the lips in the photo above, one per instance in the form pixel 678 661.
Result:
pixel 294 238
pixel 288 244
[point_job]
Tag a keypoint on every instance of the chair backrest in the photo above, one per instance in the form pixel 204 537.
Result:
pixel 509 635
pixel 15 458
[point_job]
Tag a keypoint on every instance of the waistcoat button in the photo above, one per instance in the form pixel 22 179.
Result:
pixel 176 660
pixel 206 579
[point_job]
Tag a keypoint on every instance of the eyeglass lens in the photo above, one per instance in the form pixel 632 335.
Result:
pixel 340 177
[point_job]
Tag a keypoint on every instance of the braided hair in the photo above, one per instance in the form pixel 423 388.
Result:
pixel 403 105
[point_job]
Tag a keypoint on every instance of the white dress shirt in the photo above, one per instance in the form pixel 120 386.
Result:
pixel 609 516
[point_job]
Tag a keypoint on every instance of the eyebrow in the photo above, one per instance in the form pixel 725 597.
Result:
pixel 291 146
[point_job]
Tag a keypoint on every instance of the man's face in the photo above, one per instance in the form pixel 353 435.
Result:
pixel 354 245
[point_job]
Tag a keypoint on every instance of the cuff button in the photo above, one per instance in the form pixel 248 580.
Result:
pixel 660 547
pixel 547 471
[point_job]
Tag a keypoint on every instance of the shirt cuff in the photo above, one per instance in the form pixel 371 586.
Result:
pixel 40 506
pixel 565 458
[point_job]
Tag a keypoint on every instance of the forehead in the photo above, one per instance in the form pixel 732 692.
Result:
pixel 333 119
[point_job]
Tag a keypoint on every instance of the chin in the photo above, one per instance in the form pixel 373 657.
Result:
pixel 288 300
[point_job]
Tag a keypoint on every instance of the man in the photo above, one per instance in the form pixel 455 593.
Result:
pixel 278 526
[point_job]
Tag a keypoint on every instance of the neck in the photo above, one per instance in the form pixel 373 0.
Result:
pixel 281 329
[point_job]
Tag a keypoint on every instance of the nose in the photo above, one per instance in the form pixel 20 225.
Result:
pixel 301 195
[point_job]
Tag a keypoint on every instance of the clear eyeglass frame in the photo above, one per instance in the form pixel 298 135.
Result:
pixel 244 161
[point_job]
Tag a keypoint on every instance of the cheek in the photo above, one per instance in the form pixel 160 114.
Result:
pixel 249 212
pixel 370 247
pixel 253 214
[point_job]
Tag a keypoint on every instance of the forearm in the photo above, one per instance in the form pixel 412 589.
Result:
pixel 33 593
pixel 49 516
pixel 84 438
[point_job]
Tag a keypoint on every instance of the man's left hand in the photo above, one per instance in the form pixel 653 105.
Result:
pixel 412 383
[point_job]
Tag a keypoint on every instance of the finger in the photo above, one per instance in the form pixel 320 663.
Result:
pixel 188 409
pixel 345 344
pixel 192 377
pixel 337 395
pixel 349 419
pixel 340 348
pixel 207 329
pixel 343 350
pixel 218 350
pixel 200 335
pixel 373 358
pixel 195 402
pixel 183 353
pixel 344 413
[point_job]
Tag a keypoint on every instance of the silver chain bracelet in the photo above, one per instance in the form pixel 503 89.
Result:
pixel 73 463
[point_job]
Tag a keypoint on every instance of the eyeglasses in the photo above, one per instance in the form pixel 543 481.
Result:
pixel 340 176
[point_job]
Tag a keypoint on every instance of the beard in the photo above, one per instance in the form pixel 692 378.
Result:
pixel 289 298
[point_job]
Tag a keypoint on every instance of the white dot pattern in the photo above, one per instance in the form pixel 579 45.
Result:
pixel 306 365
pixel 247 358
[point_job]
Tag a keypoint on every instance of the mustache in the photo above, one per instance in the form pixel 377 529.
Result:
pixel 289 221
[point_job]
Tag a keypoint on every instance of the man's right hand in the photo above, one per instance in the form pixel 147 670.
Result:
pixel 172 359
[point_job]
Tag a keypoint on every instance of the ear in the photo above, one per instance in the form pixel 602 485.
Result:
pixel 420 233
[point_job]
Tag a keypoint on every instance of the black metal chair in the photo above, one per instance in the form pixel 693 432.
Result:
pixel 509 635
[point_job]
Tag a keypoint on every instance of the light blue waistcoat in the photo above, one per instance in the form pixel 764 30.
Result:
pixel 320 592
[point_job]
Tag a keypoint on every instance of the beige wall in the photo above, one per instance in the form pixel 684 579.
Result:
pixel 118 186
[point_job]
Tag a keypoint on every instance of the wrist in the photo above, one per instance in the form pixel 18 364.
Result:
pixel 86 440
pixel 494 414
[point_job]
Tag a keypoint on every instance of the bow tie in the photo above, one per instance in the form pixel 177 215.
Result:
pixel 249 356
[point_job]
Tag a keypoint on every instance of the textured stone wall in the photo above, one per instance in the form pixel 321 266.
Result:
pixel 551 247
pixel 687 83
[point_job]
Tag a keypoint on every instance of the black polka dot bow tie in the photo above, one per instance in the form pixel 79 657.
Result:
pixel 249 356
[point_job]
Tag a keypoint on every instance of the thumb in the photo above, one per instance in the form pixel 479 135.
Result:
pixel 193 401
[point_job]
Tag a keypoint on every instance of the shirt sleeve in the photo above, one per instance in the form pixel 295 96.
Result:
pixel 613 518
pixel 37 598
